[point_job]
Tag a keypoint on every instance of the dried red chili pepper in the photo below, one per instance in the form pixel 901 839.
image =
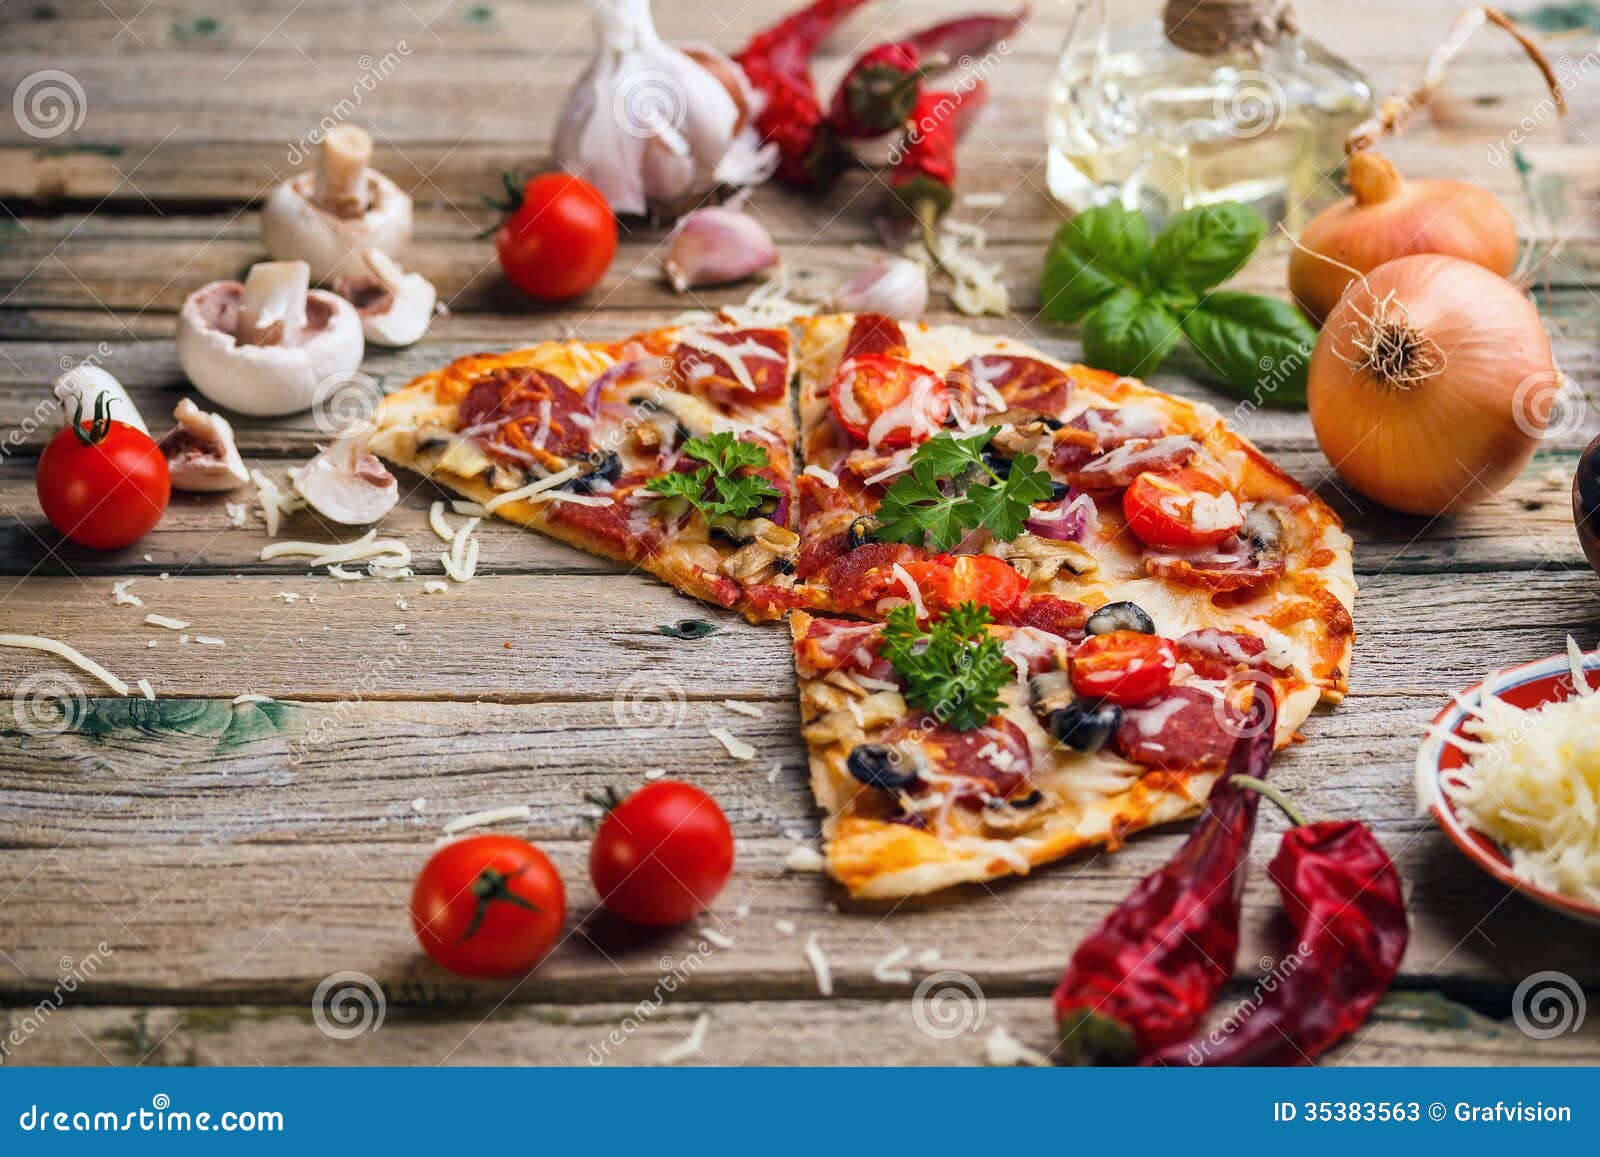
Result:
pixel 1147 975
pixel 922 183
pixel 1342 893
pixel 883 85
pixel 777 62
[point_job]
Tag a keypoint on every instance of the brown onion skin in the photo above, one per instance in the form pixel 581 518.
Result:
pixel 1445 443
pixel 1388 217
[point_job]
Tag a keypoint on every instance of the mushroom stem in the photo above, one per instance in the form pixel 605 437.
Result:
pixel 341 184
pixel 273 305
pixel 384 268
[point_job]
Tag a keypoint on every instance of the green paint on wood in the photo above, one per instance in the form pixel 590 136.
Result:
pixel 229 725
pixel 1581 15
pixel 89 147
pixel 196 28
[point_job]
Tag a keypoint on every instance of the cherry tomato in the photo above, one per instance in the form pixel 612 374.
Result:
pixel 1123 667
pixel 661 855
pixel 559 241
pixel 1180 508
pixel 867 387
pixel 488 906
pixel 103 484
pixel 948 580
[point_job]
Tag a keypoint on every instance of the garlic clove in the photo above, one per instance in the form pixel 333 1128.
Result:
pixel 346 483
pixel 200 452
pixel 395 306
pixel 893 286
pixel 717 245
pixel 83 384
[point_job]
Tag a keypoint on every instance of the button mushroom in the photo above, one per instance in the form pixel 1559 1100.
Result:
pixel 328 216
pixel 83 384
pixel 395 306
pixel 265 346
pixel 346 483
pixel 200 453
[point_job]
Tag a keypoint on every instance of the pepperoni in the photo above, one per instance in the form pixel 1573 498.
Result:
pixel 1118 467
pixel 818 554
pixel 1215 654
pixel 835 645
pixel 1231 566
pixel 872 333
pixel 611 526
pixel 506 412
pixel 866 574
pixel 1099 429
pixel 995 757
pixel 1186 727
pixel 1024 383
pixel 1060 617
pixel 706 371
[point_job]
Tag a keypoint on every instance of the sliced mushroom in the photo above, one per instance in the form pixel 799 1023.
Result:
pixel 1040 560
pixel 329 216
pixel 395 306
pixel 346 483
pixel 265 346
pixel 83 384
pixel 768 551
pixel 200 452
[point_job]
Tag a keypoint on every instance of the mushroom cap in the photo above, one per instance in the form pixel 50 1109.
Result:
pixel 346 483
pixel 391 319
pixel 267 380
pixel 293 228
pixel 200 452
pixel 82 384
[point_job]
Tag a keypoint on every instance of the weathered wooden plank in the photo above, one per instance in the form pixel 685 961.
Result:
pixel 1407 1029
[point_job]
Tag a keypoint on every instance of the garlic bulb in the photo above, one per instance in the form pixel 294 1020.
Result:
pixel 717 245
pixel 893 286
pixel 655 127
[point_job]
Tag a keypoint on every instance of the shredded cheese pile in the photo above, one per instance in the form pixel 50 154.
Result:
pixel 1532 784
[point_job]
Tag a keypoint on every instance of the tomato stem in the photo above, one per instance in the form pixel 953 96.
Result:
pixel 494 886
pixel 99 425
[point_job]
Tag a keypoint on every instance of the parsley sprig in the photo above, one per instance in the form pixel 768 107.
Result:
pixel 954 669
pixel 716 488
pixel 932 506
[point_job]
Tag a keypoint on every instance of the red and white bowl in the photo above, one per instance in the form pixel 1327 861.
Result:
pixel 1528 686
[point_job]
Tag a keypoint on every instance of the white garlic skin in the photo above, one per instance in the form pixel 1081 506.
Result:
pixel 893 286
pixel 717 245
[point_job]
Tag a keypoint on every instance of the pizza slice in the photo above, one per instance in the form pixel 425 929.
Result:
pixel 670 450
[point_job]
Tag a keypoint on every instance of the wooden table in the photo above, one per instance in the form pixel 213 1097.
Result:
pixel 213 862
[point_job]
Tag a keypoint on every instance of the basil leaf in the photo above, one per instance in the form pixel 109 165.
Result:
pixel 1129 333
pixel 1090 258
pixel 1205 246
pixel 1258 345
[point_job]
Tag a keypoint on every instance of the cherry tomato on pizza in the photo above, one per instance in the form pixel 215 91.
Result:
pixel 558 239
pixel 948 580
pixel 488 905
pixel 1123 667
pixel 1180 508
pixel 886 402
pixel 102 483
pixel 661 855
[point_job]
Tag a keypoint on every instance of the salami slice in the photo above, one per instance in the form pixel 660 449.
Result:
pixel 1213 653
pixel 1099 429
pixel 1231 566
pixel 1000 382
pixel 1185 727
pixel 834 645
pixel 872 333
pixel 866 574
pixel 1118 468
pixel 994 759
pixel 514 413
pixel 1060 617
pixel 706 366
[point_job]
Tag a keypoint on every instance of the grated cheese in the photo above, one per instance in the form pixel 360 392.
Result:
pixel 275 501
pixel 912 589
pixel 889 971
pixel 516 811
pixel 690 1045
pixel 437 522
pixel 145 689
pixel 369 545
pixel 736 747
pixel 71 654
pixel 1004 1050
pixel 716 939
pixel 434 587
pixel 120 596
pixel 805 858
pixel 1532 784
pixel 525 492
pixel 345 576
pixel 471 509
pixel 827 477
pixel 156 620
pixel 819 964
pixel 210 641
pixel 750 709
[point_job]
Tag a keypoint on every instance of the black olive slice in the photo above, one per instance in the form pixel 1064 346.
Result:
pixel 878 765
pixel 861 531
pixel 1120 617
pixel 1085 726
pixel 606 466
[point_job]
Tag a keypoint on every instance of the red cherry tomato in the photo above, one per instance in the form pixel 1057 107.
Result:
pixel 662 855
pixel 1123 667
pixel 488 906
pixel 559 241
pixel 1180 508
pixel 948 580
pixel 867 387
pixel 103 485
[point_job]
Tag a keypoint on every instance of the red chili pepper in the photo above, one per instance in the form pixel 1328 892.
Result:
pixel 883 85
pixel 1147 975
pixel 922 183
pixel 777 62
pixel 1342 894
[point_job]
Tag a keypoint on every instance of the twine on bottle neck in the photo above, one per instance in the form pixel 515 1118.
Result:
pixel 1215 27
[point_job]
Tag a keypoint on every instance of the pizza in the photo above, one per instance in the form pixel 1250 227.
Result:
pixel 671 451
pixel 1142 569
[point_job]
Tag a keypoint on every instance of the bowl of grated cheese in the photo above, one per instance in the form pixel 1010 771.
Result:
pixel 1511 772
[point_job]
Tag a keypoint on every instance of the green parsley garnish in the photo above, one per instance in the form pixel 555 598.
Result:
pixel 716 489
pixel 932 506
pixel 954 669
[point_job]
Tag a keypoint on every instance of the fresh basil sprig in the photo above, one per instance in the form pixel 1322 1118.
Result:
pixel 1135 297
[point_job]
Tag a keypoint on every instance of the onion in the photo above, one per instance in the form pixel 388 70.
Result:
pixel 1431 384
pixel 1063 521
